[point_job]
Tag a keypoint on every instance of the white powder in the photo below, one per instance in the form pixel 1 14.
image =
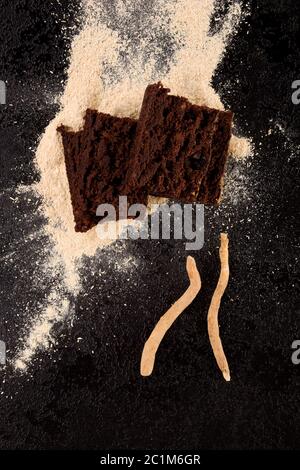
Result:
pixel 39 335
pixel 97 51
pixel 196 61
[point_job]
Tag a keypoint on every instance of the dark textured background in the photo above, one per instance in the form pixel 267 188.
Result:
pixel 76 399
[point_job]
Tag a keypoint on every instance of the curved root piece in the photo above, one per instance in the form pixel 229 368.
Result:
pixel 167 320
pixel 212 318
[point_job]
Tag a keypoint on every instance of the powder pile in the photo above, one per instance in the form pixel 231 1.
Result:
pixel 110 66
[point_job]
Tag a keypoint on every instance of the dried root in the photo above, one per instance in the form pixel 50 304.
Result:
pixel 212 317
pixel 167 320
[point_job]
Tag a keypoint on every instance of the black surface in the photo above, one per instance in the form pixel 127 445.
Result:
pixel 74 398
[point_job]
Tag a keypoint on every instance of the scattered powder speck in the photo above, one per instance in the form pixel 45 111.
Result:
pixel 99 77
pixel 40 331
pixel 240 148
pixel 237 187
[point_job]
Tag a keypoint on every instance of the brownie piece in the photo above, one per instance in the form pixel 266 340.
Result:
pixel 211 187
pixel 95 162
pixel 176 150
pixel 173 145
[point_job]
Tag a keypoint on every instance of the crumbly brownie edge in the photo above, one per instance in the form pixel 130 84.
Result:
pixel 211 188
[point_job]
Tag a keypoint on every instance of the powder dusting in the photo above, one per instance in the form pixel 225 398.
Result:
pixel 240 148
pixel 100 78
pixel 39 335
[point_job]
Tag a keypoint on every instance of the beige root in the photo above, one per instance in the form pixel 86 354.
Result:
pixel 212 318
pixel 167 320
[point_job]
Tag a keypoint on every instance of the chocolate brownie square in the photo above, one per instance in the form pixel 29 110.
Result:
pixel 95 162
pixel 172 149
